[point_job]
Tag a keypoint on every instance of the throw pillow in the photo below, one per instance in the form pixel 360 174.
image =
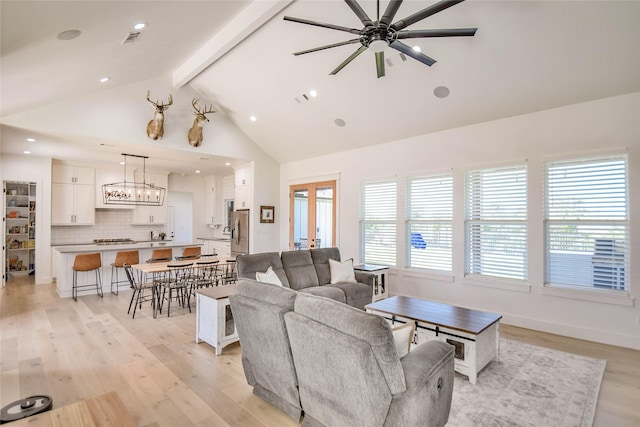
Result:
pixel 342 272
pixel 268 276
pixel 402 337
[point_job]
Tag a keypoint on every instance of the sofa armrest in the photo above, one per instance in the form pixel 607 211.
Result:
pixel 429 374
pixel 365 277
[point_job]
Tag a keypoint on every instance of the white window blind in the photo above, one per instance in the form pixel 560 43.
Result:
pixel 496 222
pixel 586 223
pixel 429 211
pixel 378 206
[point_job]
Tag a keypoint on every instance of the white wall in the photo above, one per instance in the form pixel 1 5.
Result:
pixel 607 125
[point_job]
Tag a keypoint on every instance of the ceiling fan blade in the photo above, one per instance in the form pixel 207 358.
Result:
pixel 349 59
pixel 360 13
pixel 390 12
pixel 329 46
pixel 380 64
pixel 408 50
pixel 322 24
pixel 453 32
pixel 424 13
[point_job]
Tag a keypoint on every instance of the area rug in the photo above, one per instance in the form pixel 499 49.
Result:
pixel 529 386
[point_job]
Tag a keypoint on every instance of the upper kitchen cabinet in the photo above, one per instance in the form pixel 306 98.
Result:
pixel 72 195
pixel 210 200
pixel 151 215
pixel 110 176
pixel 244 187
pixel 65 174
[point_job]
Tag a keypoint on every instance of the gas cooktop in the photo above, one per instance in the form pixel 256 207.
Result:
pixel 112 241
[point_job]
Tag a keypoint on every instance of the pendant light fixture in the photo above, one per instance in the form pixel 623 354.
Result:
pixel 133 192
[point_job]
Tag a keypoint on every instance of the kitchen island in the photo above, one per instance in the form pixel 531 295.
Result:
pixel 65 255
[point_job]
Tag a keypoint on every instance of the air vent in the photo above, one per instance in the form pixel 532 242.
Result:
pixel 131 37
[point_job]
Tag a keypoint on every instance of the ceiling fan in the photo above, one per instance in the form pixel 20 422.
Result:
pixel 377 35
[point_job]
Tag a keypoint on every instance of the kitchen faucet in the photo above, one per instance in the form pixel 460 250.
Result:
pixel 226 228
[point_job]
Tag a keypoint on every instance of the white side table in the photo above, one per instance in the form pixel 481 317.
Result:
pixel 380 280
pixel 214 321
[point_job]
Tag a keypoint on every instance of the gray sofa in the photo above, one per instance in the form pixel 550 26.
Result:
pixel 335 365
pixel 308 271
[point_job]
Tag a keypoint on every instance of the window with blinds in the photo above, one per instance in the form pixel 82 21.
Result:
pixel 586 223
pixel 496 222
pixel 429 218
pixel 378 206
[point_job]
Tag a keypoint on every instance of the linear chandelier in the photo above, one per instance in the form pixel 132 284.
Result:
pixel 133 192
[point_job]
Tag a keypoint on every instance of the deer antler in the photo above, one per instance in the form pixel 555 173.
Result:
pixel 157 104
pixel 194 102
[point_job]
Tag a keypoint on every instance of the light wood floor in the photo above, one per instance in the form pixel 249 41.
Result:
pixel 77 350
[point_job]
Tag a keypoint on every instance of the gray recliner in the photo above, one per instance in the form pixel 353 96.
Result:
pixel 258 310
pixel 349 372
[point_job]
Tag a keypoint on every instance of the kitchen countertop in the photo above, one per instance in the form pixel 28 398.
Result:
pixel 92 247
pixel 216 239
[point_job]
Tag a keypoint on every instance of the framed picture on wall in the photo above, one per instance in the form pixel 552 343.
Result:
pixel 267 214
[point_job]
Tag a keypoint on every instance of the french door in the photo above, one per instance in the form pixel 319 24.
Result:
pixel 312 215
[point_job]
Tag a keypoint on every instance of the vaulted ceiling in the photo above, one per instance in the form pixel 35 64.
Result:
pixel 526 56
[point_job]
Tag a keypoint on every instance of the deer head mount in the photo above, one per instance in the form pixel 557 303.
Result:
pixel 195 133
pixel 155 128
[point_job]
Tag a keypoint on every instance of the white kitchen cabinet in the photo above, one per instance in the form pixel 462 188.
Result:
pixel 210 200
pixel 110 176
pixel 243 187
pixel 72 195
pixel 72 204
pixel 148 215
pixel 228 187
pixel 151 215
pixel 65 174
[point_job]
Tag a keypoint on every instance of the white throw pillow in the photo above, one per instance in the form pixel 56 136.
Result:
pixel 402 336
pixel 342 272
pixel 268 276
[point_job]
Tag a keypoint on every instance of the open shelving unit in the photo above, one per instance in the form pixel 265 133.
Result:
pixel 20 228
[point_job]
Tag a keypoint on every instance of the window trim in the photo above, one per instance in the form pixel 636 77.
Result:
pixel 362 222
pixel 499 282
pixel 581 292
pixel 408 222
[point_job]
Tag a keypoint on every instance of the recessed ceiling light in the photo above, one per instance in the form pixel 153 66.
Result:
pixel 140 25
pixel 104 79
pixel 417 49
pixel 122 163
pixel 197 171
pixel 69 35
pixel 313 93
pixel 31 139
pixel 253 118
pixel 26 152
pixel 227 164
pixel 340 122
pixel 441 92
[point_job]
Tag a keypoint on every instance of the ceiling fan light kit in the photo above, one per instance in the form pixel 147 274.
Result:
pixel 377 36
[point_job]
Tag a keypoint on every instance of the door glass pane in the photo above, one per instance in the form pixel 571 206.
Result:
pixel 324 217
pixel 300 218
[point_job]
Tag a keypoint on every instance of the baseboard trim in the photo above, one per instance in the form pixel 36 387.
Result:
pixel 595 335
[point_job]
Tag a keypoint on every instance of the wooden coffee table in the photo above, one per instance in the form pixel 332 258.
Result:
pixel 474 334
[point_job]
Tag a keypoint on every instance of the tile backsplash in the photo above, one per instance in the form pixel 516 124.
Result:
pixel 110 224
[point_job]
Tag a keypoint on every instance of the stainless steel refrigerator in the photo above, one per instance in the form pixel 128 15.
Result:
pixel 240 232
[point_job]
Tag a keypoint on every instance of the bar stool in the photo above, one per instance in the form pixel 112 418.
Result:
pixel 86 263
pixel 161 255
pixel 191 252
pixel 122 258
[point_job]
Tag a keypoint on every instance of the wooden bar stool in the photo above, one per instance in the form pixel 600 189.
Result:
pixel 122 258
pixel 86 263
pixel 161 255
pixel 191 252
